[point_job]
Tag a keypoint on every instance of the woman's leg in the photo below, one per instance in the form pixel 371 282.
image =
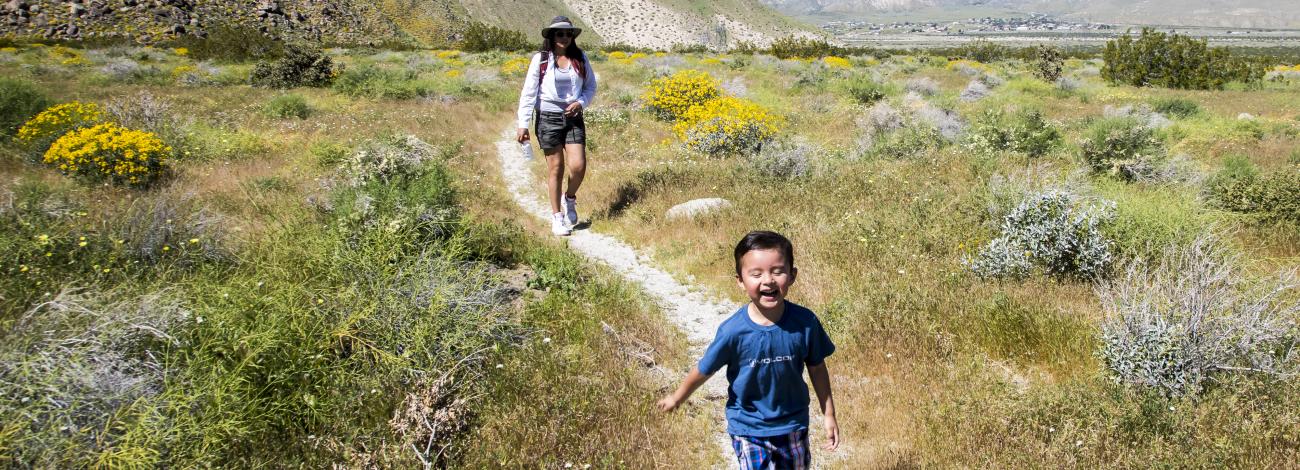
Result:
pixel 554 176
pixel 575 156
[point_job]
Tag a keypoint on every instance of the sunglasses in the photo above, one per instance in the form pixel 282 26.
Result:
pixel 564 34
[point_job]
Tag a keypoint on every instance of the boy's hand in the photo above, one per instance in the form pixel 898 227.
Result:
pixel 832 433
pixel 668 403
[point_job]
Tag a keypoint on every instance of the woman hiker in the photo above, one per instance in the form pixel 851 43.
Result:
pixel 559 85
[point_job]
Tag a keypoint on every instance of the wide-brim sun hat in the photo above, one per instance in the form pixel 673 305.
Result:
pixel 561 22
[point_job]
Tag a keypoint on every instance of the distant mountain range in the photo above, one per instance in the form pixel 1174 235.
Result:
pixel 1215 13
pixel 659 24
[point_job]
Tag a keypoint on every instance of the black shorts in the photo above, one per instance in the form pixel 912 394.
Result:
pixel 554 130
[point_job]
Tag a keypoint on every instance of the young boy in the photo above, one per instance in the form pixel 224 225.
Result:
pixel 765 346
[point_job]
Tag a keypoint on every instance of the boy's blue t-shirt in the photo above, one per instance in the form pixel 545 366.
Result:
pixel 766 395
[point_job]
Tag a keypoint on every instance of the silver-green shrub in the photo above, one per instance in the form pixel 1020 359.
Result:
pixel 1122 147
pixel 1180 325
pixel 1025 132
pixel 1054 232
pixel 386 159
pixel 785 160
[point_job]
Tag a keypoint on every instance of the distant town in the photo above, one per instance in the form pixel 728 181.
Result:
pixel 1034 23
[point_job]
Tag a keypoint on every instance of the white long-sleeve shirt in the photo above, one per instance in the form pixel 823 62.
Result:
pixel 581 90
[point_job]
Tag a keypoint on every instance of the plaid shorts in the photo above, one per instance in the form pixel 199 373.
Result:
pixel 788 451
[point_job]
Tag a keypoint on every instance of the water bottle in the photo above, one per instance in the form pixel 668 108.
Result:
pixel 526 149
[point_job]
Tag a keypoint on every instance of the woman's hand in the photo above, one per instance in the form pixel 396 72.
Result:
pixel 573 109
pixel 522 135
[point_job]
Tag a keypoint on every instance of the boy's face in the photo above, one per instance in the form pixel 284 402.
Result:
pixel 765 276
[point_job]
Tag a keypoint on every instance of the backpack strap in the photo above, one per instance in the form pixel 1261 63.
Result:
pixel 541 72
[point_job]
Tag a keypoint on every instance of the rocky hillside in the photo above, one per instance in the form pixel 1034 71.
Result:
pixel 426 23
pixel 1217 13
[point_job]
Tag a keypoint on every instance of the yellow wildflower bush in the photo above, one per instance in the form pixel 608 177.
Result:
pixel 451 54
pixel 669 98
pixel 516 66
pixel 726 125
pixel 38 132
pixel 836 62
pixel 181 51
pixel 453 73
pixel 711 61
pixel 124 156
pixel 618 55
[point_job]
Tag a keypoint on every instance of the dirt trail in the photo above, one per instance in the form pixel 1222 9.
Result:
pixel 692 309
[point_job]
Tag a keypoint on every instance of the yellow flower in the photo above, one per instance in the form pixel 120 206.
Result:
pixel 515 66
pixel 110 151
pixel 194 240
pixel 670 97
pixel 58 120
pixel 453 73
pixel 836 62
pixel 181 51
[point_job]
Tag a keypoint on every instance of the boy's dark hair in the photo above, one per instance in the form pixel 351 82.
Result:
pixel 764 240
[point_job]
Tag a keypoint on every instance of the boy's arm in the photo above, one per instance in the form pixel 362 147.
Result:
pixel 821 381
pixel 693 380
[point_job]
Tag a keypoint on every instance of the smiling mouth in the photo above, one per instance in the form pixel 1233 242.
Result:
pixel 768 292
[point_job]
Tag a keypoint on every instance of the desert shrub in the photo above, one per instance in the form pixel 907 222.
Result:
pixel 946 122
pixel 785 160
pixel 864 90
pixel 287 106
pixel 725 126
pixel 1048 63
pixel 669 98
pixel 126 70
pixel 1024 132
pixel 108 151
pixel 975 91
pixel 924 86
pixel 19 102
pixel 299 66
pixel 146 112
pixel 1055 232
pixel 791 47
pixel 1176 327
pixel 81 361
pixel 983 50
pixel 1177 107
pixel 373 82
pixel 1122 147
pixel 881 119
pixel 1174 61
pixel 37 134
pixel 482 37
pixel 231 43
pixel 387 159
pixel 1240 188
pixel 907 141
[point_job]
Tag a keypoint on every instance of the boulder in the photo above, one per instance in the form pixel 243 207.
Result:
pixel 696 207
pixel 1245 116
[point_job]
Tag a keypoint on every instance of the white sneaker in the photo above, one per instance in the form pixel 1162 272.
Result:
pixel 570 206
pixel 559 226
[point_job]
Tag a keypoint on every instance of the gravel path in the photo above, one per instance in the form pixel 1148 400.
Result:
pixel 695 311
